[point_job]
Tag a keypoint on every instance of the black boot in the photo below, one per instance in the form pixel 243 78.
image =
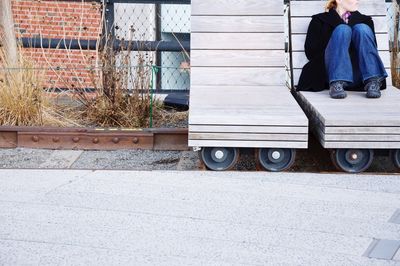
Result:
pixel 373 87
pixel 336 90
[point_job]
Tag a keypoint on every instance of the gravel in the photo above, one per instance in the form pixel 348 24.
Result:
pixel 315 159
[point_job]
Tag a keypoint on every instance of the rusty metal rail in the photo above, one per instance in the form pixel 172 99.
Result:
pixel 93 139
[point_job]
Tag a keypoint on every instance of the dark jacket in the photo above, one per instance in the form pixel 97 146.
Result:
pixel 313 76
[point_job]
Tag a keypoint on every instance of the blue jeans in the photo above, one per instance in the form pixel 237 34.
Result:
pixel 363 65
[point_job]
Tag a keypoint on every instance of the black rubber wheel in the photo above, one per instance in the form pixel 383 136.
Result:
pixel 219 159
pixel 395 156
pixel 276 159
pixel 352 160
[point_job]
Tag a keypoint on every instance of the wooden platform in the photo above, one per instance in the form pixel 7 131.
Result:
pixel 354 122
pixel 238 94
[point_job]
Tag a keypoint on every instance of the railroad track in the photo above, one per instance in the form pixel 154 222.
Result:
pixel 94 138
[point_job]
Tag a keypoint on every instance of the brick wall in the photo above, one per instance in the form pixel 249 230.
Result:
pixel 58 19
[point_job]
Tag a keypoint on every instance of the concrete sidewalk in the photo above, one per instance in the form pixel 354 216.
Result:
pixel 84 217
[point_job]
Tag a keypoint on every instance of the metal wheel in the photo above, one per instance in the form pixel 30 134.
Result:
pixel 352 160
pixel 276 159
pixel 395 156
pixel 219 159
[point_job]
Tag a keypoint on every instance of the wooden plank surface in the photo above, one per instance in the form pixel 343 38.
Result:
pixel 248 136
pixel 361 138
pixel 237 7
pixel 249 129
pixel 309 8
pixel 356 109
pixel 237 76
pixel 298 41
pixel 237 41
pixel 237 24
pixel 241 96
pixel 253 117
pixel 299 25
pixel 363 130
pixel 248 144
pixel 233 58
pixel 361 145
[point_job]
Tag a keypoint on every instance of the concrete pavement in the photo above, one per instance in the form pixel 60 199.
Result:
pixel 84 217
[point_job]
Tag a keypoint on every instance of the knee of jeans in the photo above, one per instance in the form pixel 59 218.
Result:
pixel 343 30
pixel 362 29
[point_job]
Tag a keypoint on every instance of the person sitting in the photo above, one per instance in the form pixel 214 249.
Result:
pixel 342 52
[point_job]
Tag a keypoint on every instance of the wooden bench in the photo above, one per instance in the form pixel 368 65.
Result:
pixel 238 96
pixel 354 126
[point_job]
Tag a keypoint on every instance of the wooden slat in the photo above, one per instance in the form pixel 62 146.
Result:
pixel 309 8
pixel 296 75
pixel 249 129
pixel 248 136
pixel 362 130
pixel 278 97
pixel 237 24
pixel 248 144
pixel 361 138
pixel 267 117
pixel 237 7
pixel 299 25
pixel 237 41
pixel 246 58
pixel 237 76
pixel 361 145
pixel 298 41
pixel 355 110
pixel 300 59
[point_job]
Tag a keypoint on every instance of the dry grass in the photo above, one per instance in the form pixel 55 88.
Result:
pixel 115 105
pixel 22 99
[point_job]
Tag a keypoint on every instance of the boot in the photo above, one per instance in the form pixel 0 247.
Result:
pixel 336 90
pixel 373 88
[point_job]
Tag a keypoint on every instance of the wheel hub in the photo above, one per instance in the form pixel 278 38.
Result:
pixel 354 157
pixel 219 155
pixel 275 156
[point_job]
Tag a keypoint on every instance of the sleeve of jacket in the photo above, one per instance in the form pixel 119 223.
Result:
pixel 313 44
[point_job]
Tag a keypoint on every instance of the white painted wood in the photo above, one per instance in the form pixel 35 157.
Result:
pixel 248 144
pixel 237 24
pixel 299 25
pixel 309 8
pixel 298 41
pixel 237 41
pixel 233 58
pixel 237 76
pixel 300 59
pixel 248 136
pixel 249 129
pixel 237 7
